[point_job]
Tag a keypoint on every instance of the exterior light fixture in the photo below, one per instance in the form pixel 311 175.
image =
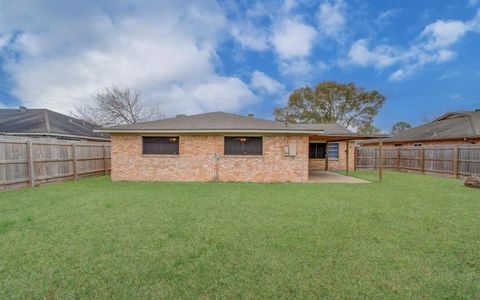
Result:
pixel 173 139
pixel 243 140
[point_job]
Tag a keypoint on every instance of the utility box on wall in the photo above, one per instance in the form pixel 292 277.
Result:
pixel 291 150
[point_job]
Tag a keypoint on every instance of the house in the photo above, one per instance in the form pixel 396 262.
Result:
pixel 46 123
pixel 227 147
pixel 451 128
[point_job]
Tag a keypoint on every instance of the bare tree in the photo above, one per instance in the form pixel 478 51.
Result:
pixel 115 106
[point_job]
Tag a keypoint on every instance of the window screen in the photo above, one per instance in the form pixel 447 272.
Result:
pixel 165 145
pixel 333 150
pixel 317 150
pixel 242 145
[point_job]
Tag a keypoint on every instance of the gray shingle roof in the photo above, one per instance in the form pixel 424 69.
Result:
pixel 453 125
pixel 218 121
pixel 45 122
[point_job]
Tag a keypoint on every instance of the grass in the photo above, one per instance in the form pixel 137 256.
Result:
pixel 410 236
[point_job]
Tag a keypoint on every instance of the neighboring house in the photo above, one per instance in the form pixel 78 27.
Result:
pixel 46 123
pixel 451 128
pixel 227 147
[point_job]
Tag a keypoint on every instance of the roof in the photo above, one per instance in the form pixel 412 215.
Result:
pixel 452 125
pixel 226 122
pixel 47 123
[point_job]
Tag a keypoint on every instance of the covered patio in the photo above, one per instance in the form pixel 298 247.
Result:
pixel 323 158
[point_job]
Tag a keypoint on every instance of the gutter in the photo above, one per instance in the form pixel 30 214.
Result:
pixel 55 135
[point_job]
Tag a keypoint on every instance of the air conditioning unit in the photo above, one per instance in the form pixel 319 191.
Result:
pixel 290 150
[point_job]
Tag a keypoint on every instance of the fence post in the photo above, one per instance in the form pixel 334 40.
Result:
pixel 422 160
pixel 105 160
pixel 398 159
pixel 455 162
pixel 31 169
pixel 74 158
pixel 380 160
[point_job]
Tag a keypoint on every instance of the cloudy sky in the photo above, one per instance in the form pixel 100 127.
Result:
pixel 241 56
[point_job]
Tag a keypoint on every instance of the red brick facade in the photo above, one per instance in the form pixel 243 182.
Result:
pixel 197 161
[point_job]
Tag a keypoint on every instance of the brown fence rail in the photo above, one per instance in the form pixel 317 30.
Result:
pixel 446 160
pixel 30 162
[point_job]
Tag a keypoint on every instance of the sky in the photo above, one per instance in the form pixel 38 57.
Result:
pixel 241 56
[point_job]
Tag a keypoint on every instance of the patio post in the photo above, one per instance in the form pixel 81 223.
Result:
pixel 347 156
pixel 326 156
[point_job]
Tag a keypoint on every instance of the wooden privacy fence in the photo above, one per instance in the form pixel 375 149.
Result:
pixel 449 160
pixel 30 162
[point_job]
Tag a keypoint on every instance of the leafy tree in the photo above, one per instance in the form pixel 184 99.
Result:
pixel 399 127
pixel 368 128
pixel 332 102
pixel 117 105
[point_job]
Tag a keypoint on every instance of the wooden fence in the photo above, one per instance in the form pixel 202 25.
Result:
pixel 30 162
pixel 449 160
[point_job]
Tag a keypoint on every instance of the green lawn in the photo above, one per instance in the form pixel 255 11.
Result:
pixel 410 236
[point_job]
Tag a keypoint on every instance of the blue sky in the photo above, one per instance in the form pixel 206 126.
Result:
pixel 241 56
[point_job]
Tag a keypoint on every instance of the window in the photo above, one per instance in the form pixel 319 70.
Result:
pixel 240 145
pixel 333 150
pixel 316 150
pixel 165 145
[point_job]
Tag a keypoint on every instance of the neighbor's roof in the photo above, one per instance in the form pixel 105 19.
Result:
pixel 225 122
pixel 45 122
pixel 452 125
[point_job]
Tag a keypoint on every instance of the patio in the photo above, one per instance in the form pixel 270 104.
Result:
pixel 331 177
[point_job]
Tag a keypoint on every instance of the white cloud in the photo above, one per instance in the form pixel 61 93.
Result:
pixel 473 2
pixel 264 82
pixel 289 5
pixel 331 17
pixel 433 46
pixel 216 93
pixel 443 33
pixel 296 68
pixel 168 51
pixel 4 40
pixel 382 56
pixel 251 36
pixel 385 16
pixel 293 39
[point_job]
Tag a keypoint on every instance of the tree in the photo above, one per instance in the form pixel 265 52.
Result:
pixel 332 102
pixel 399 127
pixel 115 106
pixel 368 128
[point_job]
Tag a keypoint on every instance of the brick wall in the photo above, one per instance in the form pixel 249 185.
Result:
pixel 196 161
pixel 336 164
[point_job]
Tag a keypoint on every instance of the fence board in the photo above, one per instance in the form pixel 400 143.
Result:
pixel 450 160
pixel 31 161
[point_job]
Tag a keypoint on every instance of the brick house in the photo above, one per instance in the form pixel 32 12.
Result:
pixel 227 147
pixel 449 129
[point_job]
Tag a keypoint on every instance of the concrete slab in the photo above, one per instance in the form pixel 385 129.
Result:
pixel 331 177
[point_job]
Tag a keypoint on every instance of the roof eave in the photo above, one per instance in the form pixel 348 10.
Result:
pixel 113 131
